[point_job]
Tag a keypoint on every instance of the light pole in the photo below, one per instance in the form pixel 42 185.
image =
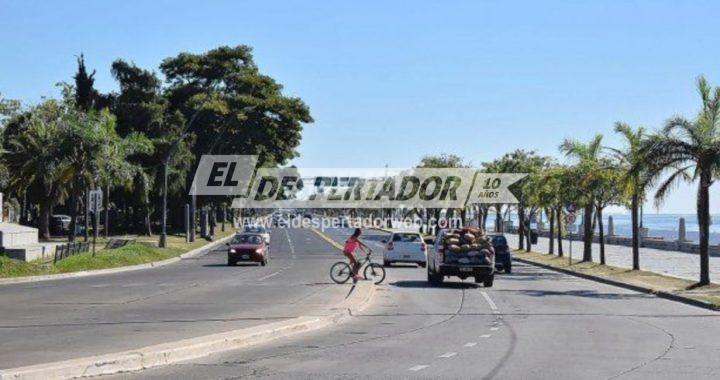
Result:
pixel 163 235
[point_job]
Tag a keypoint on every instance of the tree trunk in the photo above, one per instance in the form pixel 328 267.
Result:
pixel 587 232
pixel 703 213
pixel 147 222
pixel 528 234
pixel 498 220
pixel 635 230
pixel 602 235
pixel 87 214
pixel 106 227
pixel 45 219
pixel 73 212
pixel 551 246
pixel 559 231
pixel 521 228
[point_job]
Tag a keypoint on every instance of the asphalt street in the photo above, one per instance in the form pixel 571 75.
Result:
pixel 69 318
pixel 533 324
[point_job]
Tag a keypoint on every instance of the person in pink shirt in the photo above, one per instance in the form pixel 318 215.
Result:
pixel 352 244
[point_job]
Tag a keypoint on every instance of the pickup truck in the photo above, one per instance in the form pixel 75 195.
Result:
pixel 468 260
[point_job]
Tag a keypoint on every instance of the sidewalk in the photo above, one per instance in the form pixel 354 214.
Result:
pixel 674 263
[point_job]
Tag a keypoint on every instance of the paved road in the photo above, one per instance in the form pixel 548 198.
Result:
pixel 681 264
pixel 63 319
pixel 532 324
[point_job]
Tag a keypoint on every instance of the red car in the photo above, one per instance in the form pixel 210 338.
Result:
pixel 247 247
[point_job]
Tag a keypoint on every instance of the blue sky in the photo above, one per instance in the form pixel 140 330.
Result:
pixel 388 82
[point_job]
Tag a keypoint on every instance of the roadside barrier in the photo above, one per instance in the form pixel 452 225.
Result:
pixel 69 249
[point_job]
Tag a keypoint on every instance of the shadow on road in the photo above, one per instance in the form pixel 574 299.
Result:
pixel 425 284
pixel 227 266
pixel 576 293
pixel 403 266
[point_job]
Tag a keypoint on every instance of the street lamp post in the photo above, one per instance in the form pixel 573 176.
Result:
pixel 163 235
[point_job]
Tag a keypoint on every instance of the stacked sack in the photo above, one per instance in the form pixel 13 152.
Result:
pixel 468 242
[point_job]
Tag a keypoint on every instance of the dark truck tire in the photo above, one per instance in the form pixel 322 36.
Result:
pixel 434 279
pixel 488 282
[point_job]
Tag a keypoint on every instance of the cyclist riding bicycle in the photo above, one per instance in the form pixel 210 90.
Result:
pixel 352 244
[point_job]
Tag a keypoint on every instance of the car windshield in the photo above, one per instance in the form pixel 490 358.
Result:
pixel 255 229
pixel 499 240
pixel 406 238
pixel 247 239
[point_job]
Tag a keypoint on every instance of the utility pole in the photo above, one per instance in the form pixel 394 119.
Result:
pixel 163 234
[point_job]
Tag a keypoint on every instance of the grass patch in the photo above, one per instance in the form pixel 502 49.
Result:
pixel 144 250
pixel 17 268
pixel 659 282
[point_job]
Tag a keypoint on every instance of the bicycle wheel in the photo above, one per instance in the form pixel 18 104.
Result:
pixel 374 272
pixel 340 272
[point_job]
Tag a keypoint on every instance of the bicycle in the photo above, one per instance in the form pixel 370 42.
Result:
pixel 341 271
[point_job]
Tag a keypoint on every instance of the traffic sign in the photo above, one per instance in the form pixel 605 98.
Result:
pixel 95 200
pixel 571 207
pixel 570 218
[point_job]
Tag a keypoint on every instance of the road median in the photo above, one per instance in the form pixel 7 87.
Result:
pixel 663 286
pixel 359 297
pixel 117 269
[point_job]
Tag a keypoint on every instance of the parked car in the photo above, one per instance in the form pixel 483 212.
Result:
pixel 258 229
pixel 503 254
pixel 444 262
pixel 247 247
pixel 405 247
pixel 60 224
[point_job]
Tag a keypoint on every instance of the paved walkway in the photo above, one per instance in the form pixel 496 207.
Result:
pixel 674 263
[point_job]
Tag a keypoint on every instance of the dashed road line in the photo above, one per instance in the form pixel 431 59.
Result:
pixel 470 344
pixel 485 336
pixel 448 355
pixel 489 301
pixel 418 367
pixel 290 244
pixel 268 276
pixel 494 328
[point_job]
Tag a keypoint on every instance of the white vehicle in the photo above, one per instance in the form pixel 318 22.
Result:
pixel 257 229
pixel 405 247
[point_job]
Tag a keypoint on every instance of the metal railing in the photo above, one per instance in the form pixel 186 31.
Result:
pixel 69 249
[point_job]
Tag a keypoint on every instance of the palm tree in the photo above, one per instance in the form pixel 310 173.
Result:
pixel 588 156
pixel 635 182
pixel 35 163
pixel 689 151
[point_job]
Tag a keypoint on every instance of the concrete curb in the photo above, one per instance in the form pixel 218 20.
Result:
pixel 637 288
pixel 186 349
pixel 190 254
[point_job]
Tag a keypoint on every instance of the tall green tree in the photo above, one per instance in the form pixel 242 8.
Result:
pixel 604 184
pixel 34 156
pixel 8 108
pixel 244 111
pixel 689 150
pixel 587 155
pixel 635 182
pixel 443 160
pixel 141 109
pixel 521 161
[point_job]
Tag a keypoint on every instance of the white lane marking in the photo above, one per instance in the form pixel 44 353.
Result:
pixel 489 301
pixel 485 336
pixel 470 344
pixel 290 244
pixel 418 367
pixel 494 328
pixel 268 276
pixel 448 355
